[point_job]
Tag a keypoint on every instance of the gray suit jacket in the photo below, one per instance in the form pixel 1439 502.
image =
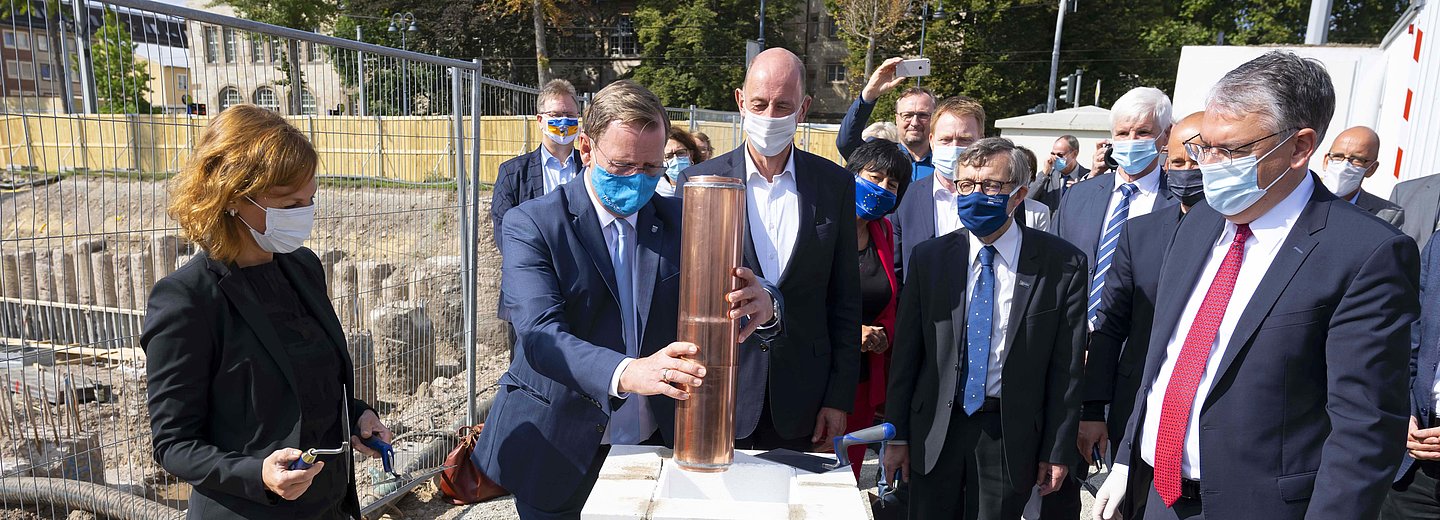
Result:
pixel 1421 200
pixel 1386 210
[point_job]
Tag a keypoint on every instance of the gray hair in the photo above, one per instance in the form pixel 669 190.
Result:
pixel 1284 89
pixel 1146 102
pixel 1071 141
pixel 985 150
pixel 555 89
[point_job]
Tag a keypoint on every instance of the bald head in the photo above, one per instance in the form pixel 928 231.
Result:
pixel 1354 143
pixel 774 86
pixel 1176 158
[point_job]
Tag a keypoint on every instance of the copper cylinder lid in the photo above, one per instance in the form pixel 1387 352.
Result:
pixel 715 181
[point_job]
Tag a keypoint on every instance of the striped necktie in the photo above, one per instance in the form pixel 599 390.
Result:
pixel 1108 239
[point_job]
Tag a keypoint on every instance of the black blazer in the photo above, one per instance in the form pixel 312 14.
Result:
pixel 1081 216
pixel 518 180
pixel 815 362
pixel 1308 406
pixel 1127 311
pixel 221 388
pixel 1041 377
pixel 1424 350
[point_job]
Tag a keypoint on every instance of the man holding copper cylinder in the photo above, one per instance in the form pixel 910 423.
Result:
pixel 796 389
pixel 986 363
pixel 592 281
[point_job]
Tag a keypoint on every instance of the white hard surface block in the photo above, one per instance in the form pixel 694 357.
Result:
pixel 643 482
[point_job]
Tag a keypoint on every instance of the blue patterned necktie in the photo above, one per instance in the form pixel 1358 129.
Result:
pixel 627 424
pixel 977 332
pixel 1106 252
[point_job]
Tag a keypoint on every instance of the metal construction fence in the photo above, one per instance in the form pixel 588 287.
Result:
pixel 90 139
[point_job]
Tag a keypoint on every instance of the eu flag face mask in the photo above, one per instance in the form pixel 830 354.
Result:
pixel 872 201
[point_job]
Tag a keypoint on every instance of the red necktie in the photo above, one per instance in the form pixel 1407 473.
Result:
pixel 1180 392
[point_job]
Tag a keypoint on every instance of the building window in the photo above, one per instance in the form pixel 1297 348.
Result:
pixel 835 72
pixel 182 81
pixel 12 68
pixel 230 48
pixel 42 44
pixel 275 46
pixel 312 52
pixel 265 98
pixel 45 71
pixel 17 40
pixel 230 97
pixel 257 49
pixel 832 27
pixel 622 41
pixel 307 103
pixel 212 45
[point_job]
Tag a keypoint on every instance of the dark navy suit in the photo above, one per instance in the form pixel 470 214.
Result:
pixel 1308 404
pixel 914 222
pixel 1412 497
pixel 518 180
pixel 815 361
pixel 543 433
pixel 1083 211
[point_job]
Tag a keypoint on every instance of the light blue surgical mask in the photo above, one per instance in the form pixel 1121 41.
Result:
pixel 1234 187
pixel 674 166
pixel 1134 155
pixel 622 195
pixel 944 159
pixel 1060 164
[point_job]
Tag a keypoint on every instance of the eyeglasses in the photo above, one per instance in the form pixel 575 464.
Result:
pixel 918 116
pixel 624 169
pixel 678 153
pixel 1206 154
pixel 1358 162
pixel 989 187
pixel 557 115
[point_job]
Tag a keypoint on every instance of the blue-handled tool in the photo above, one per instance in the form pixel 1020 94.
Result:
pixel 881 433
pixel 386 451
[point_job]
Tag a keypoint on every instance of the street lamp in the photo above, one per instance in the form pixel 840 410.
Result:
pixel 925 17
pixel 406 20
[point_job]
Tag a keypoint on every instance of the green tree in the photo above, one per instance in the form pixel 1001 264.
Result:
pixel 121 80
pixel 693 51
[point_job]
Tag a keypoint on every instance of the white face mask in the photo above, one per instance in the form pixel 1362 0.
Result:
pixel 286 229
pixel 1342 178
pixel 770 135
pixel 944 158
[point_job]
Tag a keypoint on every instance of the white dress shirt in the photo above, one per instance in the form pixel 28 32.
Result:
pixel 606 218
pixel 1268 233
pixel 1140 203
pixel 556 172
pixel 774 211
pixel 947 213
pixel 1007 249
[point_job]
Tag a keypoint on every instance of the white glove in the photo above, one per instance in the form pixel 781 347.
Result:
pixel 1111 493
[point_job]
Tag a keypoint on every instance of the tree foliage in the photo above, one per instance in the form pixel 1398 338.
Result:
pixel 121 80
pixel 694 50
pixel 868 22
pixel 998 51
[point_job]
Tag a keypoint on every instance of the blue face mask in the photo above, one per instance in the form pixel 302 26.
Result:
pixel 1060 164
pixel 1134 155
pixel 1233 188
pixel 622 195
pixel 983 214
pixel 872 202
pixel 944 158
pixel 674 166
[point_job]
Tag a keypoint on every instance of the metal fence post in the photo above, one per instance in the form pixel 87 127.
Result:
pixel 694 125
pixel 471 275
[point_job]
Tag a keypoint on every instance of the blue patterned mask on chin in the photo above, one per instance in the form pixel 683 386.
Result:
pixel 622 194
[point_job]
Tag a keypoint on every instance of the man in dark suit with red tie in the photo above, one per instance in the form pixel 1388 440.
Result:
pixel 1274 387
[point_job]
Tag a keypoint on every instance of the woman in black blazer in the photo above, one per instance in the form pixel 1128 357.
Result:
pixel 247 362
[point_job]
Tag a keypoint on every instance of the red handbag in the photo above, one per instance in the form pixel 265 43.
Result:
pixel 463 482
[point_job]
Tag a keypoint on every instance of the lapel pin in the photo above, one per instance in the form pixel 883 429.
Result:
pixel 1297 249
pixel 654 228
pixel 1024 283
